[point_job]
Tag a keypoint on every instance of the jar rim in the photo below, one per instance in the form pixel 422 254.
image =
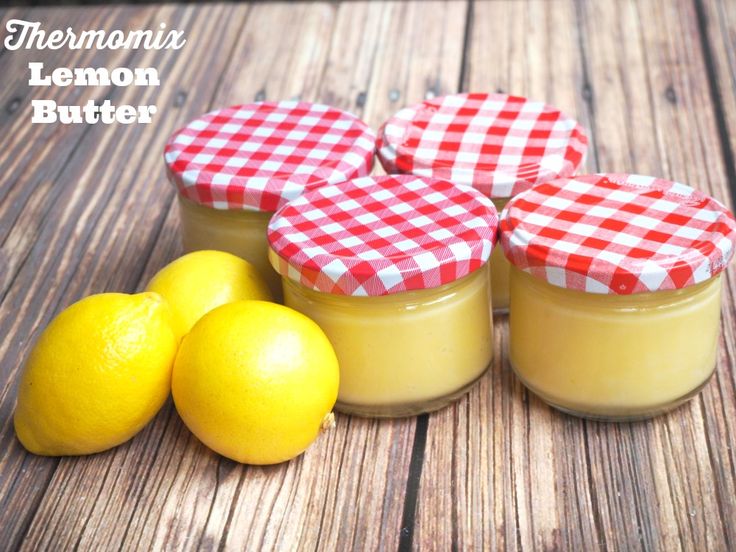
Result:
pixel 618 234
pixel 259 156
pixel 498 143
pixel 382 235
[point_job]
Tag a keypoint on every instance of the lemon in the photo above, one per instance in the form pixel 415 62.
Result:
pixel 200 281
pixel 98 373
pixel 255 381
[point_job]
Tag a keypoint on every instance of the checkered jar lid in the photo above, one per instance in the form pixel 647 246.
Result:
pixel 382 235
pixel 259 156
pixel 499 144
pixel 617 234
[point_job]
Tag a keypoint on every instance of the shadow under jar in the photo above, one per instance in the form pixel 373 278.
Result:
pixel 615 292
pixel 499 144
pixel 234 167
pixel 394 271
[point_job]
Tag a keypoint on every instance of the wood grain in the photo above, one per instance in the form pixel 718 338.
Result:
pixel 85 209
pixel 84 233
pixel 663 484
pixel 686 463
pixel 494 484
pixel 717 25
pixel 165 488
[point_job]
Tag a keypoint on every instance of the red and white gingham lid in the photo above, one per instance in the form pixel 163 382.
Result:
pixel 617 234
pixel 382 235
pixel 499 144
pixel 259 156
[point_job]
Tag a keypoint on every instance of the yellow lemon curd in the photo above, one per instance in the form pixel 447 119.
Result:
pixel 240 232
pixel 406 353
pixel 613 357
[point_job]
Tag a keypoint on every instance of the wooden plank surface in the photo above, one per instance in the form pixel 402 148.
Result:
pixel 85 209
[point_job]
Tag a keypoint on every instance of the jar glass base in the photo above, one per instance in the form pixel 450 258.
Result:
pixel 621 414
pixel 404 410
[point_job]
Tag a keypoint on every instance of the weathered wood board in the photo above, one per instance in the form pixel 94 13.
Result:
pixel 86 209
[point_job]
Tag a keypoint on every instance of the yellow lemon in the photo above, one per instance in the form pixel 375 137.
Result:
pixel 200 281
pixel 98 373
pixel 255 381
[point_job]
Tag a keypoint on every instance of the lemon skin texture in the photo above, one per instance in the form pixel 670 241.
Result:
pixel 255 381
pixel 197 282
pixel 98 373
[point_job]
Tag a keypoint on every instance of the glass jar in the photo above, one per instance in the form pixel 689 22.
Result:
pixel 394 270
pixel 615 292
pixel 240 232
pixel 499 144
pixel 405 353
pixel 621 357
pixel 234 167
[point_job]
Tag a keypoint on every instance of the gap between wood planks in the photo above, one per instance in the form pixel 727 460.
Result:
pixel 53 464
pixel 716 99
pixel 31 513
pixel 419 443
pixel 413 482
pixel 719 113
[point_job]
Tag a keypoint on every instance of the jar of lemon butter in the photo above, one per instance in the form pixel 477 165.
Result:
pixel 234 167
pixel 499 144
pixel 394 270
pixel 615 292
